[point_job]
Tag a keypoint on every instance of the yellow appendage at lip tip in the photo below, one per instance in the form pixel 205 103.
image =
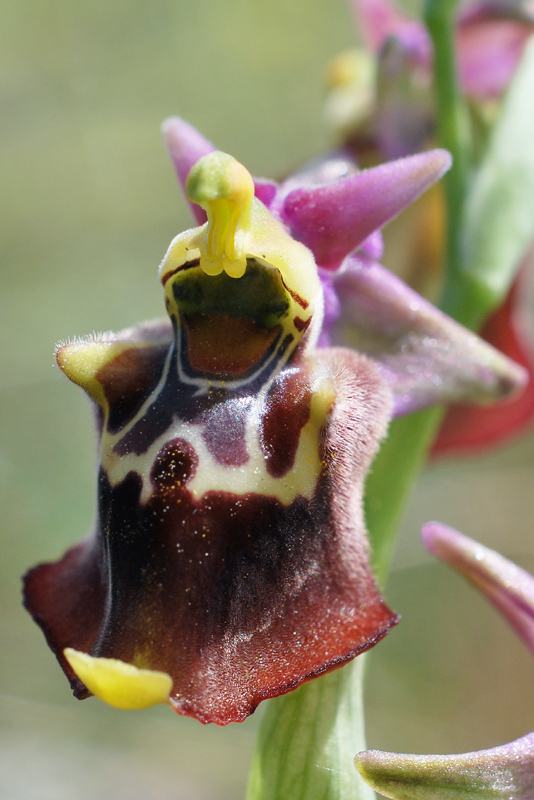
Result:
pixel 224 189
pixel 120 684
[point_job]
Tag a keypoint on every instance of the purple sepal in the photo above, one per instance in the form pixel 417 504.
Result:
pixel 335 218
pixel 507 586
pixel 426 357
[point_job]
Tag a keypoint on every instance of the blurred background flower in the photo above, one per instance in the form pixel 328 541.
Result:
pixel 89 206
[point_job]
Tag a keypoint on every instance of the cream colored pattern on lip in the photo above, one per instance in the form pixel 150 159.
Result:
pixel 249 478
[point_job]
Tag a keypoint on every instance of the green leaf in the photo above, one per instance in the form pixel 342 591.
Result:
pixel 499 209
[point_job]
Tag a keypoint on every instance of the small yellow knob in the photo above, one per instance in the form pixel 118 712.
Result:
pixel 119 684
pixel 224 189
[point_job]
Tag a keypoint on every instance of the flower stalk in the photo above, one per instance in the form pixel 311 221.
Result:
pixel 307 738
pixel 452 127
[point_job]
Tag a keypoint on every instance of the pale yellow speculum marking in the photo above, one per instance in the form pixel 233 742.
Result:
pixel 249 478
pixel 120 684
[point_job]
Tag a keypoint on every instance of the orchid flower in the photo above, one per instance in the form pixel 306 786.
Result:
pixel 502 772
pixel 229 560
pixel 389 100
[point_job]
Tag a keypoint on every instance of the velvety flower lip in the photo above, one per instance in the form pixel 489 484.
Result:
pixel 229 561
pixel 507 586
pixel 502 773
pixel 505 772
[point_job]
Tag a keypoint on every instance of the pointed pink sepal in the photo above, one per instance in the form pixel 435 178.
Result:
pixel 502 773
pixel 334 219
pixel 426 357
pixel 507 586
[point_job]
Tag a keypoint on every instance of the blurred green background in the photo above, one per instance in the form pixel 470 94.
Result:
pixel 89 203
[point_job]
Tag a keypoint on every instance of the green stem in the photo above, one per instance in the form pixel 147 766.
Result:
pixel 390 482
pixel 453 135
pixel 308 739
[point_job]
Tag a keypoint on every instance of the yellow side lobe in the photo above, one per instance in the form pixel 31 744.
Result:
pixel 80 361
pixel 119 684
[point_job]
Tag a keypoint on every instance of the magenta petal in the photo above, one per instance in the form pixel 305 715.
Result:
pixel 185 145
pixel 507 586
pixel 334 219
pixel 426 357
pixel 501 773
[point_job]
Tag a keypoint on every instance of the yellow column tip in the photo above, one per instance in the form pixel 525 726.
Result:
pixel 225 189
pixel 120 684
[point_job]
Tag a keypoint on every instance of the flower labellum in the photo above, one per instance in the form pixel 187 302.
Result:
pixel 229 560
